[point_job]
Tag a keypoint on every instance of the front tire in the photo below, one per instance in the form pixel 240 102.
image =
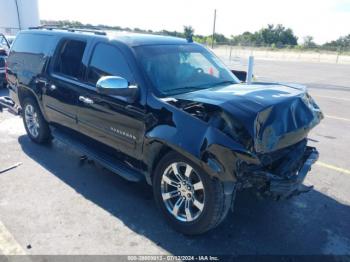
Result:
pixel 37 128
pixel 190 200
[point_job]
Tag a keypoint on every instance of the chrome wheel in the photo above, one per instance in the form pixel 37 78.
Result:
pixel 32 121
pixel 182 192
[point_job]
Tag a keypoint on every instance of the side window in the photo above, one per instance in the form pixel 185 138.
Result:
pixel 37 44
pixel 69 59
pixel 30 52
pixel 107 60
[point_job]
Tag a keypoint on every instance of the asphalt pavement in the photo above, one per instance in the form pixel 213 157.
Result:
pixel 53 204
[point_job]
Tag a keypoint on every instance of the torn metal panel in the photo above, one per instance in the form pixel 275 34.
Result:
pixel 255 135
pixel 274 115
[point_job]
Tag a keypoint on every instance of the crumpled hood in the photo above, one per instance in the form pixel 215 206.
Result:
pixel 274 115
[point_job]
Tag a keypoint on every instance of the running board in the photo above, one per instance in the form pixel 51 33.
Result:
pixel 111 163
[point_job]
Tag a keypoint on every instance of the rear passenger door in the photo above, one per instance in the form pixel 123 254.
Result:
pixel 64 82
pixel 111 120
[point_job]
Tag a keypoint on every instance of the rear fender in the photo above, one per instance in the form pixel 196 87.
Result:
pixel 35 92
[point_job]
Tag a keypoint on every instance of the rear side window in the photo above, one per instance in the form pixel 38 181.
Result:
pixel 32 43
pixel 107 60
pixel 30 52
pixel 69 57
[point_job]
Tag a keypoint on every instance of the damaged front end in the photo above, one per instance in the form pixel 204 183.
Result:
pixel 269 124
pixel 281 174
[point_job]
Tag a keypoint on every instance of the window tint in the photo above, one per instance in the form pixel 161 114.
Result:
pixel 107 60
pixel 69 59
pixel 32 43
pixel 30 52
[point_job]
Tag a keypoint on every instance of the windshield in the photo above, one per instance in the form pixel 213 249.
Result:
pixel 176 69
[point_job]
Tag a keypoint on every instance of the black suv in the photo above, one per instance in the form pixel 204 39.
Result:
pixel 168 111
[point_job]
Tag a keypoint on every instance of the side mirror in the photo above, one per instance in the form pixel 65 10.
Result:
pixel 116 86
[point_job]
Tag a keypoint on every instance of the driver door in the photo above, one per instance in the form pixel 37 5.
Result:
pixel 110 120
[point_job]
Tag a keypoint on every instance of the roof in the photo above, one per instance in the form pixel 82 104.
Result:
pixel 128 38
pixel 136 39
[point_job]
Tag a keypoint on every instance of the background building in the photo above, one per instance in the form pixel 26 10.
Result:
pixel 17 15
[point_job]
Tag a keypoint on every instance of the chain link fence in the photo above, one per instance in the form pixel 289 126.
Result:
pixel 235 53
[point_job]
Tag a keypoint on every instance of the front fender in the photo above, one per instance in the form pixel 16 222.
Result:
pixel 217 153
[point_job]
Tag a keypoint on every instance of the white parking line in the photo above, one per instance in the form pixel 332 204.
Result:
pixel 8 245
pixel 338 118
pixel 333 97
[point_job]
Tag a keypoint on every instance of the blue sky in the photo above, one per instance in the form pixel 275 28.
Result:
pixel 324 19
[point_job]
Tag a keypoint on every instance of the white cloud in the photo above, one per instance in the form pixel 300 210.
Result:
pixel 324 19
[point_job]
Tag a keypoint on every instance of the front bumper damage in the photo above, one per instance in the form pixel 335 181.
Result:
pixel 280 187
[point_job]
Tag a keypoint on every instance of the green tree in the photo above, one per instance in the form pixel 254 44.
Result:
pixel 188 32
pixel 247 39
pixel 309 42
pixel 220 39
pixel 278 35
pixel 341 44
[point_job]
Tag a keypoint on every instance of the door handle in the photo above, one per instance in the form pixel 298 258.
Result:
pixel 52 87
pixel 86 100
pixel 41 81
pixel 45 83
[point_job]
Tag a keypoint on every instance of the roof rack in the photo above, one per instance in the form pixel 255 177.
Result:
pixel 70 29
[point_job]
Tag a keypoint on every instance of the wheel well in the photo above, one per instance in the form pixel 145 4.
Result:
pixel 161 152
pixel 23 93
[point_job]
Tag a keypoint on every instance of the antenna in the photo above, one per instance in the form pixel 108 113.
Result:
pixel 213 37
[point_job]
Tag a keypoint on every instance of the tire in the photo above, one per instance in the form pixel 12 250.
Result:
pixel 201 218
pixel 37 128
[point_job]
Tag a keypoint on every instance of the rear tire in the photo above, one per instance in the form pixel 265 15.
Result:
pixel 37 128
pixel 195 206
